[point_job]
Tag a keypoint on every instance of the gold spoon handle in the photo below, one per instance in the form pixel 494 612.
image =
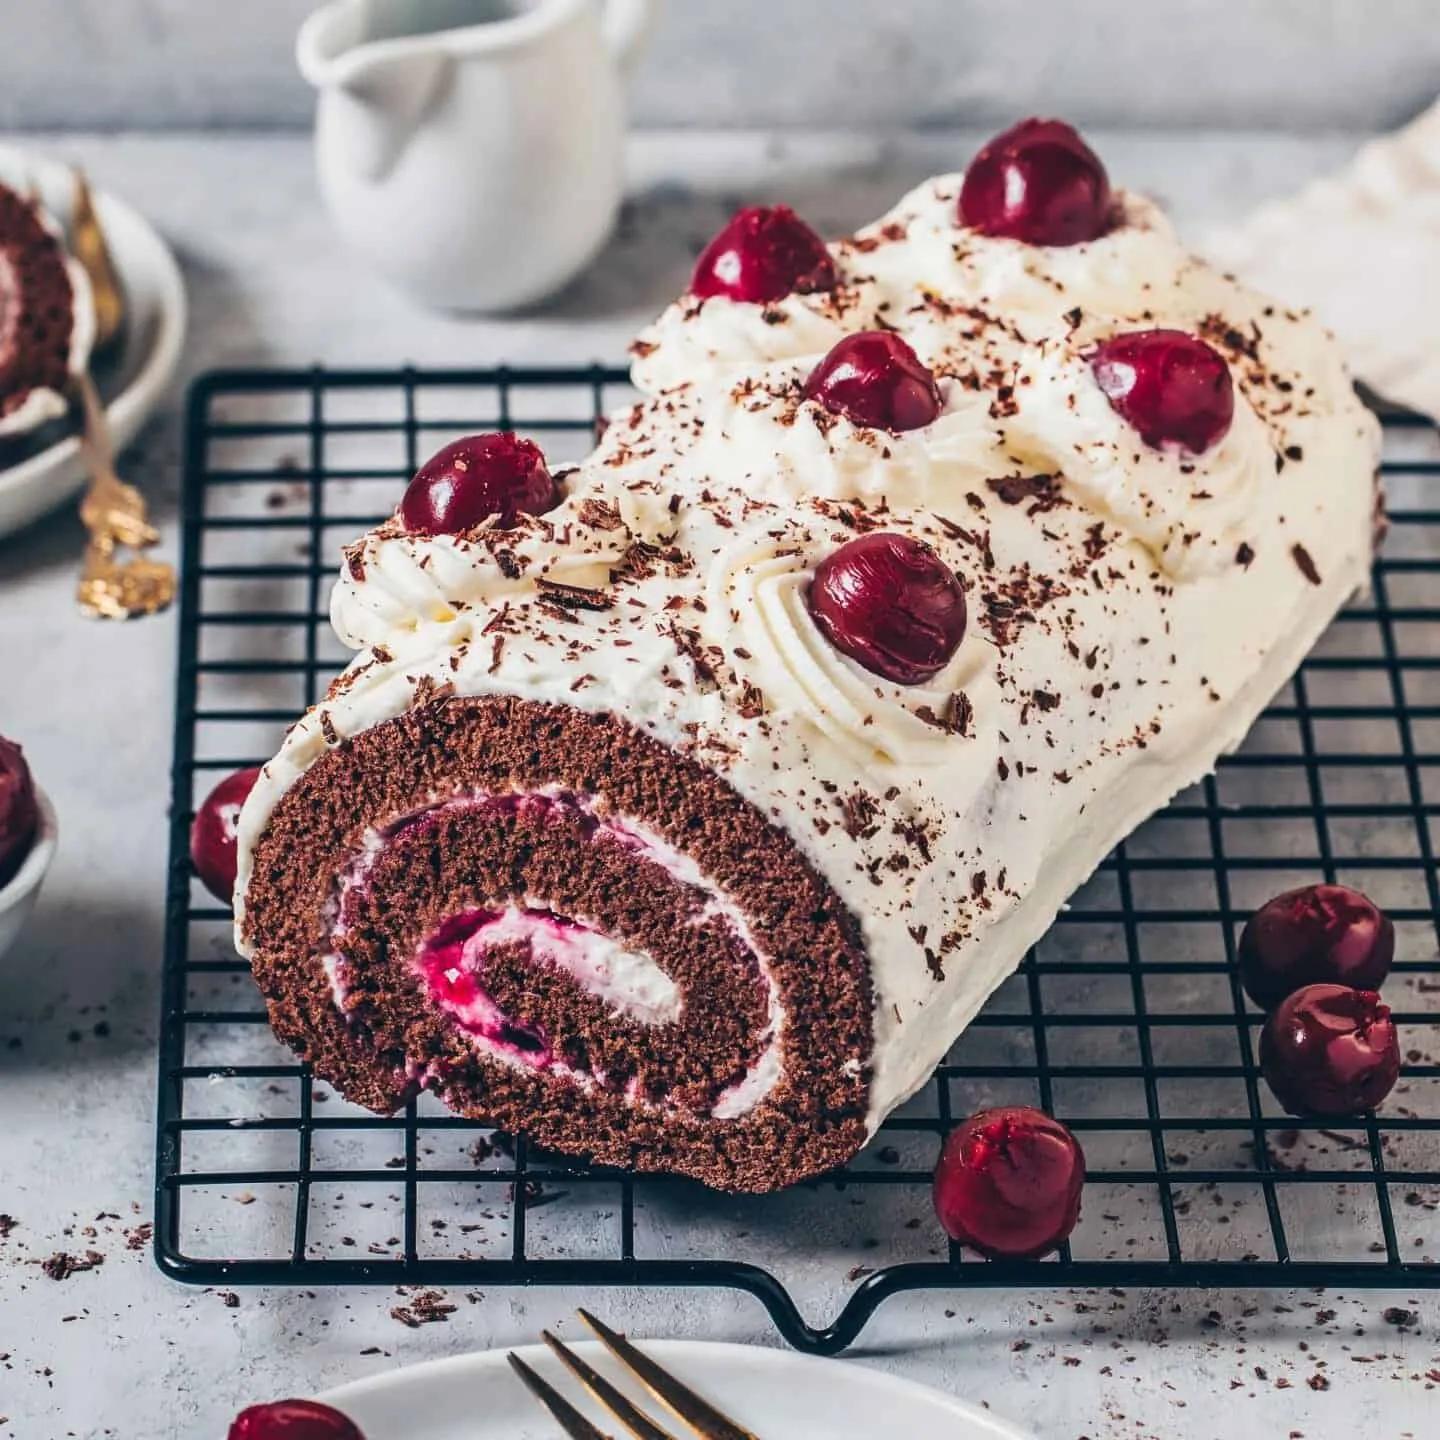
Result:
pixel 114 514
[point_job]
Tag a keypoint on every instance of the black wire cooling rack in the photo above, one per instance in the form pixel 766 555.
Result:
pixel 1126 1021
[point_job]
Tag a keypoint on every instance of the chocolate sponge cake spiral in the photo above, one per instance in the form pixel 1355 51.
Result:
pixel 681 809
pixel 562 927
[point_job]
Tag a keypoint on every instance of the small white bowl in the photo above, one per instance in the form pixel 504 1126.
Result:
pixel 19 894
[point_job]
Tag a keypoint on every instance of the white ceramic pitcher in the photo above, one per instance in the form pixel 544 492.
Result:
pixel 471 150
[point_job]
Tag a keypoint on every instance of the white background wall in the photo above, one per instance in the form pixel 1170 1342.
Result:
pixel 1289 64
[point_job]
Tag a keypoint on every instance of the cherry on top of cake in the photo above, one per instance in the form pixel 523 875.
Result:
pixel 763 254
pixel 1038 182
pixel 874 378
pixel 1171 386
pixel 38 305
pixel 477 478
pixel 891 604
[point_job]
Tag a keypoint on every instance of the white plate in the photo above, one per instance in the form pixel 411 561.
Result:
pixel 775 1393
pixel 43 470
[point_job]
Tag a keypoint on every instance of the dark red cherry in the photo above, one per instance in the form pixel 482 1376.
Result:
pixel 874 378
pixel 293 1420
pixel 891 604
pixel 212 835
pixel 1330 1050
pixel 1008 1183
pixel 19 809
pixel 1318 933
pixel 1038 182
pixel 1172 387
pixel 475 478
pixel 765 253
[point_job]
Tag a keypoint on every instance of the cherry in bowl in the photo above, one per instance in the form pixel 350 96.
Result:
pixel 293 1420
pixel 1330 1050
pixel 495 476
pixel 19 809
pixel 891 604
pixel 1008 1183
pixel 1038 182
pixel 875 379
pixel 765 253
pixel 1169 385
pixel 1318 933
pixel 213 848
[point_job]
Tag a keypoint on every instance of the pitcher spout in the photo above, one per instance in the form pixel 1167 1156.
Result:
pixel 384 86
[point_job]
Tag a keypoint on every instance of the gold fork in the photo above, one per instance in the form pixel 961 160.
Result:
pixel 112 512
pixel 698 1414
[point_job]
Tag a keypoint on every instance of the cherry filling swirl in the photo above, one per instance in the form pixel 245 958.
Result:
pixel 559 973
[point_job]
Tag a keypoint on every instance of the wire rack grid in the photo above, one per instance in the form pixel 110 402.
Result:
pixel 1127 1021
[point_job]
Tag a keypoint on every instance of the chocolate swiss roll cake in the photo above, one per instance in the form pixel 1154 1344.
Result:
pixel 46 319
pixel 681 809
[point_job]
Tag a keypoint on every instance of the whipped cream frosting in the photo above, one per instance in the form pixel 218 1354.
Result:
pixel 1131 610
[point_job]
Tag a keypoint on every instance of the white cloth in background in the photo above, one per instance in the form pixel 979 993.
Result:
pixel 1361 248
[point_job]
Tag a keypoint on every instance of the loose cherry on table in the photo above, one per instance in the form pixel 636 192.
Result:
pixel 765 253
pixel 474 479
pixel 293 1420
pixel 1038 182
pixel 1171 386
pixel 213 849
pixel 874 378
pixel 891 604
pixel 1315 934
pixel 1330 1050
pixel 1008 1183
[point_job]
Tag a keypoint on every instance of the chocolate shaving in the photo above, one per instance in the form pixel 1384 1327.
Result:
pixel 573 597
pixel 426 1308
pixel 1044 490
pixel 600 515
pixel 1302 558
pixel 702 657
pixel 751 704
pixel 1219 331
pixel 428 690
pixel 61 1266
pixel 859 810
pixel 954 719
pixel 639 560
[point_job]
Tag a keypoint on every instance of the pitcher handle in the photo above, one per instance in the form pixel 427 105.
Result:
pixel 627 26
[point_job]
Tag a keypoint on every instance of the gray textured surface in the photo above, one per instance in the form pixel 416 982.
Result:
pixel 1299 64
pixel 121 1351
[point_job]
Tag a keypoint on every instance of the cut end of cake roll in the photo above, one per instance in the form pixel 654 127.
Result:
pixel 561 926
